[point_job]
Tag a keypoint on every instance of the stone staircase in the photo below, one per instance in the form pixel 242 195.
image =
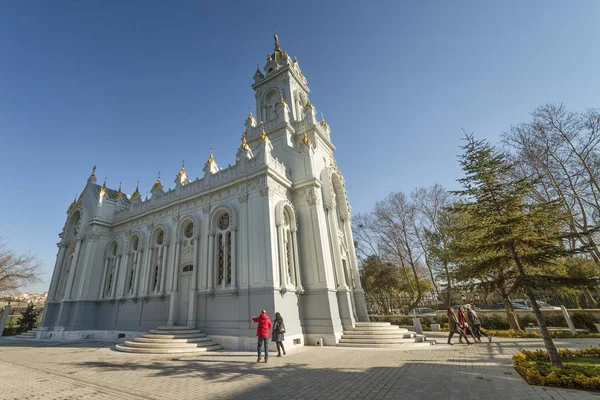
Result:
pixel 30 335
pixel 381 334
pixel 170 339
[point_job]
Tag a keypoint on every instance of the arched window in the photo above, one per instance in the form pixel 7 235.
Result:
pixel 224 250
pixel 288 246
pixel 133 263
pixel 110 270
pixel 157 264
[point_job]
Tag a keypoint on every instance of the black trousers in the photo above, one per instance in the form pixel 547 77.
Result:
pixel 280 347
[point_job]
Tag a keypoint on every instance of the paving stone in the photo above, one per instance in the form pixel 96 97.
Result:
pixel 93 370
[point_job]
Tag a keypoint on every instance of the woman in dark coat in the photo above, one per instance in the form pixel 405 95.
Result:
pixel 277 335
pixel 454 326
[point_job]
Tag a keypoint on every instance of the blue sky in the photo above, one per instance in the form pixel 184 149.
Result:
pixel 135 87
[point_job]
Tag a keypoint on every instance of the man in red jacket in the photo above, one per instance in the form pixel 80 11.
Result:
pixel 262 331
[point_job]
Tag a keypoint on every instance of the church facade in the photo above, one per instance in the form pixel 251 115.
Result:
pixel 270 232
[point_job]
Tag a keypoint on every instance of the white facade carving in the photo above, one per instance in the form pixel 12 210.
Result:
pixel 271 231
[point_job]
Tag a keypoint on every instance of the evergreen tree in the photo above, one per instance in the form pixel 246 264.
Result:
pixel 503 237
pixel 28 319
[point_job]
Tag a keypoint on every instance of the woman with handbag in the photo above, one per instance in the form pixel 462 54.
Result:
pixel 277 335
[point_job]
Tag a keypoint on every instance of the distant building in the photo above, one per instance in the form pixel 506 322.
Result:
pixel 271 231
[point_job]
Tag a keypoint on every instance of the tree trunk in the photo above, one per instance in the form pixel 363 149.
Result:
pixel 548 343
pixel 513 322
pixel 449 289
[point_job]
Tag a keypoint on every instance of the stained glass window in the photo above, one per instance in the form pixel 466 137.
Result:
pixel 220 259
pixel 228 264
pixel 223 222
pixel 189 230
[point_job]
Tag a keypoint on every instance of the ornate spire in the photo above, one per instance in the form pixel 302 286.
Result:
pixel 276 41
pixel 119 193
pixel 250 116
pixel 305 141
pixel 244 142
pixel 211 159
pixel 93 175
pixel 263 135
pixel 182 175
pixel 103 188
pixel 157 184
pixel 295 60
pixel 136 194
pixel 281 99
pixel 308 103
pixel 323 122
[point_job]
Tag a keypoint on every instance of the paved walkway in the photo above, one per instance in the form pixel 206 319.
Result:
pixel 91 370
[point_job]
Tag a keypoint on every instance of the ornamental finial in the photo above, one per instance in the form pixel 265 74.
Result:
pixel 93 175
pixel 119 193
pixel 244 142
pixel 263 135
pixel 305 141
pixel 276 40
pixel 136 194
pixel 323 122
pixel 211 159
pixel 182 170
pixel 103 188
pixel 157 184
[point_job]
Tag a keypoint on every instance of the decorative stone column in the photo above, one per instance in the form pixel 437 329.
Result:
pixel 163 277
pixel 358 292
pixel 73 269
pixel 191 320
pixel 174 283
pixel 58 269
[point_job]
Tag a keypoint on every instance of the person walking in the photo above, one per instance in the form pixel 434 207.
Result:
pixel 454 326
pixel 262 331
pixel 277 335
pixel 476 323
pixel 464 324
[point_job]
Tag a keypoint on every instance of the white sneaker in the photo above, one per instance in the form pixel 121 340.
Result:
pixel 490 339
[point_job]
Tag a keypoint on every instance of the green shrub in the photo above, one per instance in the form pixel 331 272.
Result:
pixel 583 320
pixel 580 368
pixel 525 320
pixel 493 322
pixel 556 320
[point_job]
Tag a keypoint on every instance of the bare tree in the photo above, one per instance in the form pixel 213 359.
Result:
pixel 16 270
pixel 432 233
pixel 562 149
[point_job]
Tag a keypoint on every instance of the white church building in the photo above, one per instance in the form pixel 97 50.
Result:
pixel 270 232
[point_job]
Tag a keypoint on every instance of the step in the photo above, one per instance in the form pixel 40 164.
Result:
pixel 160 345
pixel 168 350
pixel 177 328
pixel 190 340
pixel 376 341
pixel 380 332
pixel 379 328
pixel 384 346
pixel 175 331
pixel 378 337
pixel 372 324
pixel 178 336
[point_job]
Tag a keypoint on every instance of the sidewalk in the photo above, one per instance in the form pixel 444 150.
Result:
pixel 91 370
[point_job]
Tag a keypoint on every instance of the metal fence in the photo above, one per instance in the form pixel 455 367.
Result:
pixel 402 305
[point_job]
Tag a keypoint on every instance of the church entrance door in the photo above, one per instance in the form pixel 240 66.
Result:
pixel 185 279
